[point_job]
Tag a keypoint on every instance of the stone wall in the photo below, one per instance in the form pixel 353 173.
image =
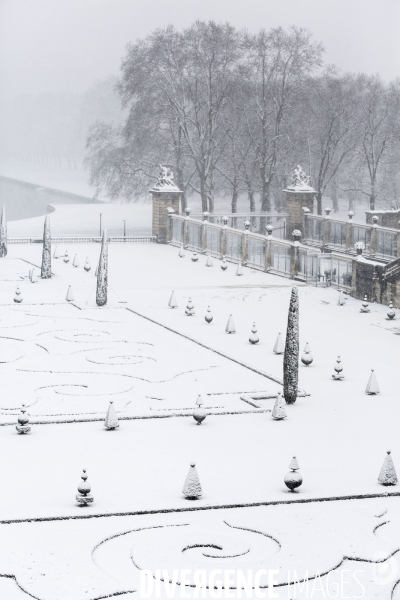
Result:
pixel 387 218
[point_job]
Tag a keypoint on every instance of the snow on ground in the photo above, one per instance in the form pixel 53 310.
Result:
pixel 66 361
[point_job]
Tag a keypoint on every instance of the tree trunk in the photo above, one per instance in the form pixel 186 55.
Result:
pixel 291 357
pixel 334 196
pixel 235 194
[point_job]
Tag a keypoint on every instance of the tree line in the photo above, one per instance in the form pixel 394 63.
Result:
pixel 233 112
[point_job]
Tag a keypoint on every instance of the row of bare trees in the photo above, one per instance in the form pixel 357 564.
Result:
pixel 233 112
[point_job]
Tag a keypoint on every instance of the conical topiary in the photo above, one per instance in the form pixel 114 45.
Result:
pixel 210 262
pixel 75 262
pixel 224 264
pixel 291 355
pixel 391 312
pixel 293 479
pixel 18 295
pixel 192 488
pixel 208 317
pixel 194 257
pixel 387 475
pixel 338 375
pixel 70 296
pixel 340 298
pixel 3 233
pixel 87 266
pixel 102 273
pixel 365 306
pixel 172 303
pixel 279 347
pixel 254 338
pixel 34 277
pixel 181 253
pixel 111 420
pixel 230 326
pixel 279 410
pixel 46 254
pixel 239 269
pixel 84 497
pixel 190 308
pixel 23 420
pixel 66 256
pixel 56 253
pixel 372 385
pixel 199 401
pixel 307 358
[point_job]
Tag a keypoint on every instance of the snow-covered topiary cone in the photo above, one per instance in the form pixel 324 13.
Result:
pixel 87 266
pixel 84 497
pixel 102 273
pixel 192 488
pixel 46 254
pixel 254 338
pixel 22 426
pixel 338 369
pixel 194 257
pixel 66 256
pixel 294 465
pixel 75 262
pixel 307 358
pixel 56 253
pixel 387 475
pixel 199 401
pixel 172 303
pixel 210 262
pixel 70 296
pixel 279 410
pixel 18 295
pixel 190 308
pixel 365 306
pixel 208 317
pixel 372 385
pixel 3 233
pixel 279 347
pixel 291 355
pixel 34 277
pixel 239 269
pixel 230 326
pixel 391 312
pixel 181 253
pixel 111 420
pixel 224 264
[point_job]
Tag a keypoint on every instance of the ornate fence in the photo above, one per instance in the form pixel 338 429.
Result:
pixel 82 240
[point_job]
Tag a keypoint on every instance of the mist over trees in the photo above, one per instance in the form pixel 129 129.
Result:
pixel 231 113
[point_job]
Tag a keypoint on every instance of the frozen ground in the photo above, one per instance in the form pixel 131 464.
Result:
pixel 66 361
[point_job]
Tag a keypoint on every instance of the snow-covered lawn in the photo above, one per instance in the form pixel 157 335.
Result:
pixel 67 361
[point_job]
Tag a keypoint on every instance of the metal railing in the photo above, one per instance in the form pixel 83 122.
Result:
pixel 83 239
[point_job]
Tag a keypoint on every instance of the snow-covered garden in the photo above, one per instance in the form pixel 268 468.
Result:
pixel 151 354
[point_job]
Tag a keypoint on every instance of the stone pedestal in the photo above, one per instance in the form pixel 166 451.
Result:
pixel 299 194
pixel 166 196
pixel 162 201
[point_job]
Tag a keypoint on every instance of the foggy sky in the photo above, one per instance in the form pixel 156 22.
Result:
pixel 65 45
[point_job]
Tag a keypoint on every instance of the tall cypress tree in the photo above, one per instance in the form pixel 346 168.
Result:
pixel 46 255
pixel 291 356
pixel 102 273
pixel 3 233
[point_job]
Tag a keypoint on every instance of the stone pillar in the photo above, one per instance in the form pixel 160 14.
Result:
pixel 294 254
pixel 349 232
pixel 327 228
pixel 268 248
pixel 374 235
pixel 245 241
pixel 299 194
pixel 304 228
pixel 223 236
pixel 186 228
pixel 165 194
pixel 204 232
